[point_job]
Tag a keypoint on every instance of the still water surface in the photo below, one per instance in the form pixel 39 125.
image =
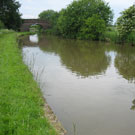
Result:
pixel 89 85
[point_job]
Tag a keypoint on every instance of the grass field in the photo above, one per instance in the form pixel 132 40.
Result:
pixel 21 102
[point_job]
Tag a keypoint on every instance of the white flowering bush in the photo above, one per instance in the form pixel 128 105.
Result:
pixel 126 22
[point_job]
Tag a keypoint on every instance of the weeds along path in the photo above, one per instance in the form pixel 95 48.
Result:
pixel 21 102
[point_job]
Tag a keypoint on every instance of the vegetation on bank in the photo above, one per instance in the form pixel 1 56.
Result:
pixel 126 25
pixel 9 14
pixel 21 102
pixel 82 19
pixel 91 20
pixel 52 17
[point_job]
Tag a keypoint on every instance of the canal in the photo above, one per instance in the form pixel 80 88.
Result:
pixel 90 86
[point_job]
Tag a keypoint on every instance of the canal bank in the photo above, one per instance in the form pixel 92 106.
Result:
pixel 21 103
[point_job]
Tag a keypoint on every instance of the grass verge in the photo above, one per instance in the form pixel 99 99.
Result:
pixel 21 102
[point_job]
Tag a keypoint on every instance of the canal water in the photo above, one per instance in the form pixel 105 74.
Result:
pixel 90 86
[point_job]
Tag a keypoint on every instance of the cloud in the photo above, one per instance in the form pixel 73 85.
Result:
pixel 31 8
pixel 121 3
pixel 36 6
pixel 119 6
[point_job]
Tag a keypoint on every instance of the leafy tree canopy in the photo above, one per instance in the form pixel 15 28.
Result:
pixel 93 28
pixel 126 22
pixel 9 14
pixel 50 16
pixel 78 15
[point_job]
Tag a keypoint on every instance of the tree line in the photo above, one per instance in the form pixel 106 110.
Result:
pixel 91 19
pixel 82 19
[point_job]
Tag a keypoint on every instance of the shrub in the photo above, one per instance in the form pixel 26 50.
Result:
pixel 93 28
pixel 126 22
pixel 80 13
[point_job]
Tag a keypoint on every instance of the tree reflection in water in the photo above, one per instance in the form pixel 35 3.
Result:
pixel 86 59
pixel 125 62
pixel 133 106
pixel 83 58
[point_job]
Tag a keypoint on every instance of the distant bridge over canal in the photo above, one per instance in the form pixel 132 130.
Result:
pixel 29 22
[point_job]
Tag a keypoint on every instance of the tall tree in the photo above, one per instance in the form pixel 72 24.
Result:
pixel 9 14
pixel 75 17
pixel 52 17
pixel 49 15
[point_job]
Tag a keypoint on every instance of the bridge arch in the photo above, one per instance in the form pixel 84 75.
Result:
pixel 29 22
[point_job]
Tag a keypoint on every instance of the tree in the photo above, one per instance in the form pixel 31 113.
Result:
pixel 93 28
pixel 75 16
pixel 50 16
pixel 9 14
pixel 126 22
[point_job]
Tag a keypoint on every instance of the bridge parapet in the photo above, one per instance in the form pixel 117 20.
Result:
pixel 28 22
pixel 34 20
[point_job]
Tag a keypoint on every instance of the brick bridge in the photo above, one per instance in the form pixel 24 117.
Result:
pixel 28 22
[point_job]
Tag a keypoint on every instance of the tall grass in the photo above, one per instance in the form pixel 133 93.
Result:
pixel 112 35
pixel 21 102
pixel 131 39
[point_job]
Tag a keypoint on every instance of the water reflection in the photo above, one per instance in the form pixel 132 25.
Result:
pixel 82 58
pixel 30 41
pixel 125 62
pixel 34 38
pixel 86 105
pixel 133 106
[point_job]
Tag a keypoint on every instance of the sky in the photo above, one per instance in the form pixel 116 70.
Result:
pixel 31 8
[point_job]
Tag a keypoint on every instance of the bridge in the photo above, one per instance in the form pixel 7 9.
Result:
pixel 29 22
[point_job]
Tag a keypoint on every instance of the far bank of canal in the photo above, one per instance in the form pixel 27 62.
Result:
pixel 90 86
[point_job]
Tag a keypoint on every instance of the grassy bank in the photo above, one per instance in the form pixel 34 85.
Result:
pixel 21 102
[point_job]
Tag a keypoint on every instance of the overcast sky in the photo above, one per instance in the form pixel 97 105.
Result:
pixel 31 8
